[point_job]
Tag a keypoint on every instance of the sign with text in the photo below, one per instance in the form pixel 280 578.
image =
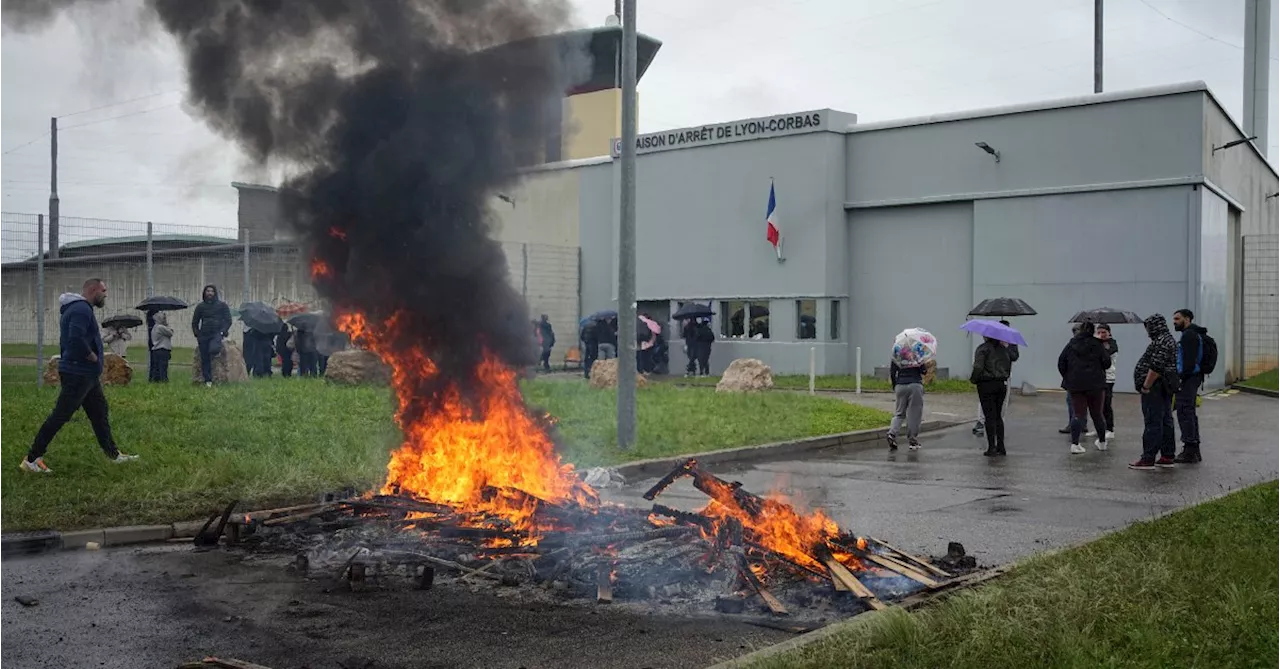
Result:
pixel 733 131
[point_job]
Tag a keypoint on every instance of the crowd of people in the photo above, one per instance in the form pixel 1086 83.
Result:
pixel 1168 377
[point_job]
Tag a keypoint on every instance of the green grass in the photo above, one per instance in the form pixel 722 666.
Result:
pixel 841 382
pixel 1196 588
pixel 181 355
pixel 1266 380
pixel 280 441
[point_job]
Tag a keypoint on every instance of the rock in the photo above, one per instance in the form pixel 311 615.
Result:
pixel 604 374
pixel 603 477
pixel 955 550
pixel 745 375
pixel 228 365
pixel 357 367
pixel 26 601
pixel 116 371
pixel 1029 390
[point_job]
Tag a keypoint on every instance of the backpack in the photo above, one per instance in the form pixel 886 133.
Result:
pixel 1208 354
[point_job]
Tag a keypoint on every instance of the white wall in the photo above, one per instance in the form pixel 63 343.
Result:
pixel 1211 268
pixel 1065 253
pixel 911 267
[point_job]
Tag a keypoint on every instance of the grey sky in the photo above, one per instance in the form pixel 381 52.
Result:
pixel 720 60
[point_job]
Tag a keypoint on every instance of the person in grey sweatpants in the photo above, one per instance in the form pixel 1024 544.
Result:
pixel 908 390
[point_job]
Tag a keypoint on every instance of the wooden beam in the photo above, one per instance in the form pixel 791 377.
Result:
pixel 744 567
pixel 900 568
pixel 604 583
pixel 925 564
pixel 839 572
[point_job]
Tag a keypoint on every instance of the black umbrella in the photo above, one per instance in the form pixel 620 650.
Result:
pixel 161 303
pixel 261 317
pixel 1002 306
pixel 310 321
pixel 757 311
pixel 122 321
pixel 693 310
pixel 1105 315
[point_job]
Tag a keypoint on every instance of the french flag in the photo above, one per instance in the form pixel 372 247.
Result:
pixel 772 232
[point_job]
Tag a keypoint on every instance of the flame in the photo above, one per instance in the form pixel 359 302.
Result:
pixel 778 526
pixel 320 268
pixel 494 461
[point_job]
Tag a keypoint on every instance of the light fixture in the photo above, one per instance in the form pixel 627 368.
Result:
pixel 1270 196
pixel 1235 143
pixel 987 147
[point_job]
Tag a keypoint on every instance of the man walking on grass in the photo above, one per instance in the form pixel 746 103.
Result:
pixel 80 370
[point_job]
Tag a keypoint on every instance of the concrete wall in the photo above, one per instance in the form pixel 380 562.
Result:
pixel 258 212
pixel 1065 253
pixel 597 238
pixel 911 267
pixel 591 121
pixel 1139 140
pixel 547 277
pixel 1261 312
pixel 543 209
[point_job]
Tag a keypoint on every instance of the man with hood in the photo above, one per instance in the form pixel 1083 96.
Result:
pixel 1191 369
pixel 547 341
pixel 80 370
pixel 161 349
pixel 1156 377
pixel 210 323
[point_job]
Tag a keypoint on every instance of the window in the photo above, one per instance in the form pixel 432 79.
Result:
pixel 806 319
pixel 733 318
pixel 835 320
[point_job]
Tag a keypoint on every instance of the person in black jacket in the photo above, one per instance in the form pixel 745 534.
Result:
pixel 992 364
pixel 1189 357
pixel 80 371
pixel 705 337
pixel 980 425
pixel 547 339
pixel 689 333
pixel 210 322
pixel 304 342
pixel 283 350
pixel 590 337
pixel 1083 364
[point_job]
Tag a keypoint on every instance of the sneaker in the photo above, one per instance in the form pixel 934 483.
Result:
pixel 124 457
pixel 893 442
pixel 38 467
pixel 1142 464
pixel 1077 449
pixel 1091 433
pixel 1165 461
pixel 1188 457
pixel 1100 444
pixel 913 445
pixel 208 384
pixel 1064 430
pixel 1110 435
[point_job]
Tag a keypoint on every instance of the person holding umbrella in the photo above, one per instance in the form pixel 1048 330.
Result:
pixel 980 426
pixel 161 348
pixel 992 364
pixel 1083 364
pixel 913 350
pixel 1103 333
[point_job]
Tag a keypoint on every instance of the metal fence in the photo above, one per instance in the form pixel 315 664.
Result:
pixel 1261 312
pixel 138 259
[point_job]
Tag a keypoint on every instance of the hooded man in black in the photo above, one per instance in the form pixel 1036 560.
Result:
pixel 1083 365
pixel 210 323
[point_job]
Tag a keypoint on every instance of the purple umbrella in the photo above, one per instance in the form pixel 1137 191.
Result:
pixel 996 330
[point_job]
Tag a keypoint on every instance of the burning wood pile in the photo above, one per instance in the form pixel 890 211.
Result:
pixel 742 552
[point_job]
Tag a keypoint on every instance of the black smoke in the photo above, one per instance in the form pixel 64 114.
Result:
pixel 398 119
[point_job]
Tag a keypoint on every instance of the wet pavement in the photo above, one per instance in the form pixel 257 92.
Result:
pixel 1038 497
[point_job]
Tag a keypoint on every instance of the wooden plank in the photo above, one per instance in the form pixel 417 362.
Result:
pixel 293 518
pixel 911 558
pixel 839 572
pixel 221 663
pixel 604 584
pixel 900 568
pixel 775 607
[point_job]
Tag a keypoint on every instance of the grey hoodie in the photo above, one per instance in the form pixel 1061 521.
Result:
pixel 161 334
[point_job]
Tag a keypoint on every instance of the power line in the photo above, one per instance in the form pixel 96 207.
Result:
pixel 116 104
pixel 112 118
pixel 26 144
pixel 1192 28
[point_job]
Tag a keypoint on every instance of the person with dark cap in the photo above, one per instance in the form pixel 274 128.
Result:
pixel 1083 364
pixel 1156 377
pixel 210 322
pixel 80 373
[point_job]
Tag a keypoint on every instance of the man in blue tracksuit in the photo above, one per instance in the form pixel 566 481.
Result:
pixel 80 372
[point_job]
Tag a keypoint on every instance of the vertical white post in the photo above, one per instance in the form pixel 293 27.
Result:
pixel 857 368
pixel 813 367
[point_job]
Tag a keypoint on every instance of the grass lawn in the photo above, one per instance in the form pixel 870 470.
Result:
pixel 1197 588
pixel 845 382
pixel 279 441
pixel 1265 380
pixel 181 355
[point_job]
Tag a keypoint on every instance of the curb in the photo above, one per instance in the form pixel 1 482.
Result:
pixel 24 544
pixel 1256 391
pixel 662 465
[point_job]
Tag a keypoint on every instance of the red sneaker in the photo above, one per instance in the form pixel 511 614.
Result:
pixel 1165 461
pixel 1142 464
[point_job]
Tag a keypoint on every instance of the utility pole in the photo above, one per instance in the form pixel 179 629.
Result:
pixel 1097 46
pixel 53 187
pixel 627 238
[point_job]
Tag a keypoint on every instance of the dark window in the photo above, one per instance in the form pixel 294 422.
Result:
pixel 835 320
pixel 806 319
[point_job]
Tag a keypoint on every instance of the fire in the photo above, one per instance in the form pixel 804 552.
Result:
pixel 778 526
pixel 495 460
pixel 320 268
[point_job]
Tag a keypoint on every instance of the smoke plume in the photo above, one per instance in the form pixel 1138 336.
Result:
pixel 398 120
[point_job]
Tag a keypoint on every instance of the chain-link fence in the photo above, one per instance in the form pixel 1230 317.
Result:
pixel 1261 312
pixel 139 260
